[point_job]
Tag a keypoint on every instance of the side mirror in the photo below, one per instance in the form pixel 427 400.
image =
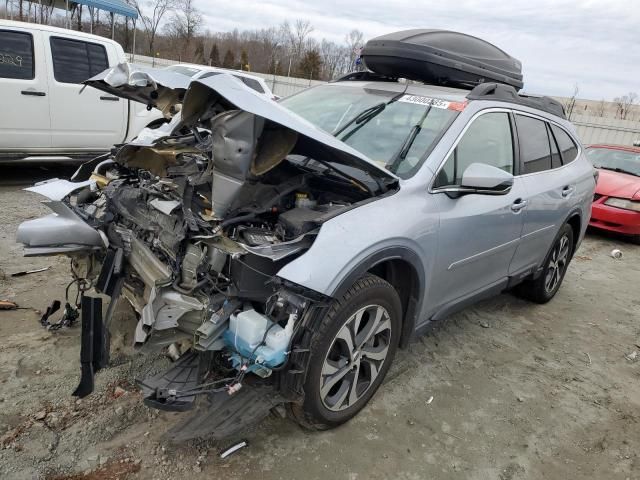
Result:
pixel 480 178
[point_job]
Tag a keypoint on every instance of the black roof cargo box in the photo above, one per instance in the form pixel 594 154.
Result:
pixel 441 57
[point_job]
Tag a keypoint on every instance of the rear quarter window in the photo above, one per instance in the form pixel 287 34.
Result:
pixel 568 148
pixel 75 61
pixel 16 55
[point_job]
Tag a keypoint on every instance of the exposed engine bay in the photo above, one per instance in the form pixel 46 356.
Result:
pixel 192 227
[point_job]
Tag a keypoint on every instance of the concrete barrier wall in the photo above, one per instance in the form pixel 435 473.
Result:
pixel 593 129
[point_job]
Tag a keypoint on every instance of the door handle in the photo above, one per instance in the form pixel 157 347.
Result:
pixel 110 99
pixel 33 93
pixel 568 190
pixel 518 205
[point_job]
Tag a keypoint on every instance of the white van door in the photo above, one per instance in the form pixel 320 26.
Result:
pixel 82 119
pixel 25 121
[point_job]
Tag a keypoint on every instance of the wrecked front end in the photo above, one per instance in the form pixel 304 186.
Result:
pixel 191 226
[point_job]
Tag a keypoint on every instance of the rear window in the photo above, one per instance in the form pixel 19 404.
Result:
pixel 187 71
pixel 75 61
pixel 535 151
pixel 251 83
pixel 16 55
pixel 568 148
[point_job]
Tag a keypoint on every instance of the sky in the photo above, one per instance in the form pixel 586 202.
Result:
pixel 592 43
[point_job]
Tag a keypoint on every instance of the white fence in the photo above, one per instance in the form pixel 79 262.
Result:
pixel 591 129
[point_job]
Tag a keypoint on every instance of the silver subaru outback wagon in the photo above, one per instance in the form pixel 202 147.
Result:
pixel 282 252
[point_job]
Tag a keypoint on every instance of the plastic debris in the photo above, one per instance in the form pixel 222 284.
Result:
pixel 430 400
pixel 7 305
pixel 616 253
pixel 27 272
pixel 233 449
pixel 632 356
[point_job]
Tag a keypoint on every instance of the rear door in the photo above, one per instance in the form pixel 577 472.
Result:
pixel 549 185
pixel 478 234
pixel 90 120
pixel 25 121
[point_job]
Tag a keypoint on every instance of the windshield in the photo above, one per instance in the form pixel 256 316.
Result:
pixel 188 71
pixel 382 136
pixel 612 159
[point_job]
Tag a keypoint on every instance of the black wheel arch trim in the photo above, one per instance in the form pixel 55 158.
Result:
pixel 414 303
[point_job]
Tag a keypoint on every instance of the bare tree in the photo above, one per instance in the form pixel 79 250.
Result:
pixel 183 27
pixel 302 29
pixel 599 108
pixel 624 104
pixel 333 58
pixel 355 41
pixel 151 22
pixel 570 103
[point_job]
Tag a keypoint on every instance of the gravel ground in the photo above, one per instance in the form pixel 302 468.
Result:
pixel 519 390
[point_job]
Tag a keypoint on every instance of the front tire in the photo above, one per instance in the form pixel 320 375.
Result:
pixel 350 354
pixel 544 288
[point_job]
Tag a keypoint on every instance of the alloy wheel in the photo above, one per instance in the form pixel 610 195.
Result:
pixel 355 357
pixel 557 264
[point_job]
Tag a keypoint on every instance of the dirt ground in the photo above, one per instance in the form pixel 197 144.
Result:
pixel 520 391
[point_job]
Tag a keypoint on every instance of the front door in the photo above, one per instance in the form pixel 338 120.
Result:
pixel 24 122
pixel 82 119
pixel 478 234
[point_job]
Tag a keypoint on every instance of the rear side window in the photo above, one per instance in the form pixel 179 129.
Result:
pixel 567 147
pixel 75 61
pixel 16 55
pixel 535 150
pixel 487 140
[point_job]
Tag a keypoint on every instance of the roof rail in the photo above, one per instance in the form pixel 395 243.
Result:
pixel 365 76
pixel 500 92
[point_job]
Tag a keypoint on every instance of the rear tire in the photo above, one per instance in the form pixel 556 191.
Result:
pixel 351 353
pixel 544 288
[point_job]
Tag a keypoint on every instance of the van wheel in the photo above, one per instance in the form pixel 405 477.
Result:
pixel 351 353
pixel 544 288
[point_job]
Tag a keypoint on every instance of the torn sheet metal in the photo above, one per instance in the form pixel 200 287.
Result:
pixel 62 229
pixel 56 189
pixel 164 206
pixel 162 89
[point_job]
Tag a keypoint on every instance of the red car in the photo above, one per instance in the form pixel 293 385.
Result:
pixel 616 203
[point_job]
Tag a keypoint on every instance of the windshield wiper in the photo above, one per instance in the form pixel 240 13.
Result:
pixel 366 115
pixel 620 170
pixel 406 145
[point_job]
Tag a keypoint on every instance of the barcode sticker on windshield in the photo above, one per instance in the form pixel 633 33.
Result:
pixel 426 101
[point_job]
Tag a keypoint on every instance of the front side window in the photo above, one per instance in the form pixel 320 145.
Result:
pixel 487 140
pixel 535 150
pixel 16 55
pixel 397 134
pixel 566 145
pixel 75 61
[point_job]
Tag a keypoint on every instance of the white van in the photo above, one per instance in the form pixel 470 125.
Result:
pixel 46 113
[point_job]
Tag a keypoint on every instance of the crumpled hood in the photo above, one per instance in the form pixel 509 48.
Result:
pixel 166 90
pixel 156 88
pixel 617 184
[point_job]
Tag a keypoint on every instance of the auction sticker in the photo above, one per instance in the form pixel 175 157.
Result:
pixel 426 101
